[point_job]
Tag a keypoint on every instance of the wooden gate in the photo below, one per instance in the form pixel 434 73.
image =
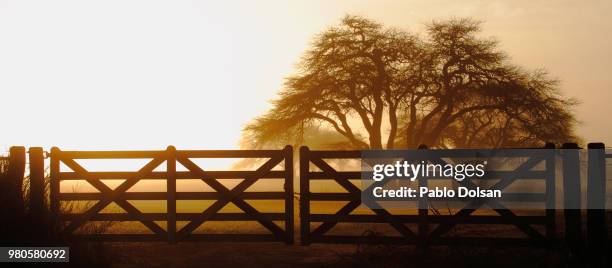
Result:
pixel 221 197
pixel 424 219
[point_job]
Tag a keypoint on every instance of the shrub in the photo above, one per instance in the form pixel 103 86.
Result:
pixel 21 228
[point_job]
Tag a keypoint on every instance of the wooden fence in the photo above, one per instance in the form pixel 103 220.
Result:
pixel 423 218
pixel 222 195
pixel 430 229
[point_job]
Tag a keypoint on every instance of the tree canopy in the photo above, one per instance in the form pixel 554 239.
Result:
pixel 376 87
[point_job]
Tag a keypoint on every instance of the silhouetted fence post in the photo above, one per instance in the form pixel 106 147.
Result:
pixel 171 191
pixel 304 195
pixel 54 183
pixel 16 172
pixel 289 217
pixel 596 202
pixel 423 203
pixel 551 212
pixel 571 198
pixel 37 182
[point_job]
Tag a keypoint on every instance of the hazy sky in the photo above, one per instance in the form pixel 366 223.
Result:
pixel 145 74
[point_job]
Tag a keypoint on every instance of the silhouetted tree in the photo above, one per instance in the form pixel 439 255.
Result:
pixel 379 87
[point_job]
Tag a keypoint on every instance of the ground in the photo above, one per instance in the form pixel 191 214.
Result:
pixel 230 254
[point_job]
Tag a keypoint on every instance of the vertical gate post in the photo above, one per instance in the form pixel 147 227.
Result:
pixel 551 212
pixel 171 193
pixel 37 183
pixel 596 202
pixel 16 172
pixel 571 198
pixel 423 203
pixel 304 195
pixel 54 181
pixel 289 214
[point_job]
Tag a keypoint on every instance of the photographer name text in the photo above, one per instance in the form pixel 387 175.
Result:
pixel 461 192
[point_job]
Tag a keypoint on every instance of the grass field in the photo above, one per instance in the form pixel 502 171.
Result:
pixel 318 207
